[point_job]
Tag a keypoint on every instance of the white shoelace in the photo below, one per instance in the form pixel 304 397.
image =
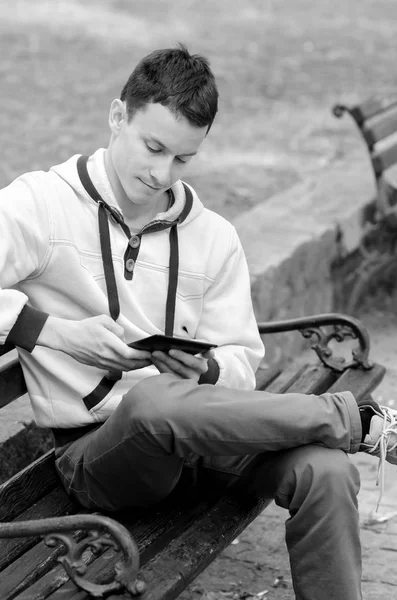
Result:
pixel 382 445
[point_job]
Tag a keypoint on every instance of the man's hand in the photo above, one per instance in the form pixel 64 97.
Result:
pixel 181 363
pixel 97 341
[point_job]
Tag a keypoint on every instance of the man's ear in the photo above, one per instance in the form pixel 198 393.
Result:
pixel 117 115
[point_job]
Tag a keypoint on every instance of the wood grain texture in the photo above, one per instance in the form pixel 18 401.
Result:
pixel 54 504
pixel 360 383
pixel 27 487
pixel 265 376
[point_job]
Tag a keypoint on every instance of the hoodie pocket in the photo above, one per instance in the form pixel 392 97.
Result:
pixel 92 263
pixel 190 287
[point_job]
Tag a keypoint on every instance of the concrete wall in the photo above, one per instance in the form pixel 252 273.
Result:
pixel 293 240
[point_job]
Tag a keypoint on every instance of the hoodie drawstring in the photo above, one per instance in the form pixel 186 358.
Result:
pixel 107 383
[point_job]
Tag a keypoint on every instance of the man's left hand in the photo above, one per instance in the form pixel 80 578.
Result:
pixel 182 364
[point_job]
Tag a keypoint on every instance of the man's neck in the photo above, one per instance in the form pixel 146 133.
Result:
pixel 135 215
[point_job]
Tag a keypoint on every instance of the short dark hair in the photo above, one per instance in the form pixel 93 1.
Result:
pixel 176 79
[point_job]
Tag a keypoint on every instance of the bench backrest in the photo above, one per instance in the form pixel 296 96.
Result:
pixel 376 119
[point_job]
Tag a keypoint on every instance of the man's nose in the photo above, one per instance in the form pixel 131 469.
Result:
pixel 161 174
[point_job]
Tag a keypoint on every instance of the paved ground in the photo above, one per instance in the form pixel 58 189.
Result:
pixel 252 565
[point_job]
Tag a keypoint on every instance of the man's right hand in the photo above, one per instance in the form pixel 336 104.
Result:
pixel 96 341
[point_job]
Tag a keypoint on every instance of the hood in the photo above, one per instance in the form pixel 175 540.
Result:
pixel 97 171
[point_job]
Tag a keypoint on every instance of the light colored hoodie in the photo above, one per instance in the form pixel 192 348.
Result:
pixel 51 263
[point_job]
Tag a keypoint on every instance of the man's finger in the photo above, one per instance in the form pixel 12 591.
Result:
pixel 161 366
pixel 169 365
pixel 124 351
pixel 197 363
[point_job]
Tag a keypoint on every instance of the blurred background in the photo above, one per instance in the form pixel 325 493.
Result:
pixel 280 66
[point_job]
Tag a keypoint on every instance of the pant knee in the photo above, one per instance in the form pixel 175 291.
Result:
pixel 319 475
pixel 157 403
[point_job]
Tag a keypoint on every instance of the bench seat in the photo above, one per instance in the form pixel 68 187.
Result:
pixel 176 539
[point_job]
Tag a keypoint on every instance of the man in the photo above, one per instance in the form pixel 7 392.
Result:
pixel 104 251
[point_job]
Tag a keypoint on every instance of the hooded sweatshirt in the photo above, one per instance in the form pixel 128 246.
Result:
pixel 51 263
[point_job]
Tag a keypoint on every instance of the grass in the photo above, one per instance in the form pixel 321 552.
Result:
pixel 280 66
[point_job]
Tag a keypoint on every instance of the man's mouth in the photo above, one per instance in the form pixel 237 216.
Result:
pixel 150 186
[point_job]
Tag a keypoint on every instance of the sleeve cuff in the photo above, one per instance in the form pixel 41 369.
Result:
pixel 212 374
pixel 27 328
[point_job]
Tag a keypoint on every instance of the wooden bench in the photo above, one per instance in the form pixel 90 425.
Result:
pixel 154 552
pixel 376 119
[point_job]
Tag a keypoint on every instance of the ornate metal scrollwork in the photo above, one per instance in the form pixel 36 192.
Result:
pixel 343 327
pixel 53 530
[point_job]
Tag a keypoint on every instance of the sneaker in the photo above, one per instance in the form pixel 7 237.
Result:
pixel 381 441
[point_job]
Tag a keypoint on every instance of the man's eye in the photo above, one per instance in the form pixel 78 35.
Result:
pixel 180 160
pixel 154 150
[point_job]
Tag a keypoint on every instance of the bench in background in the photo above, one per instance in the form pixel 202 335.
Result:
pixel 376 119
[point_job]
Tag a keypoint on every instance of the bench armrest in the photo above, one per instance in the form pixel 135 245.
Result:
pixel 56 529
pixel 343 326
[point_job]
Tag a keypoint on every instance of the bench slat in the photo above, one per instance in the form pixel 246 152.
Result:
pixel 181 561
pixel 384 158
pixel 315 379
pixel 265 376
pixel 380 128
pixel 151 529
pixel 28 486
pixel 21 575
pixel 54 504
pixel 12 383
pixel 363 382
pixel 372 107
pixel 285 380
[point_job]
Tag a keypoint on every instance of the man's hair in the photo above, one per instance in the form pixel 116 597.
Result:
pixel 173 77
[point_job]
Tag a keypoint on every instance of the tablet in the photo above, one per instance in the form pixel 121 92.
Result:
pixel 165 343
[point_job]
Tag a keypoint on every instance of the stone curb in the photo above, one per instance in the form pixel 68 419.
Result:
pixel 292 240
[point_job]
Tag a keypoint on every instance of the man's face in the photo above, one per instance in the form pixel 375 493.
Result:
pixel 151 152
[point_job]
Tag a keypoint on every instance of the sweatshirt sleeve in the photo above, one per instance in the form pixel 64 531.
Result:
pixel 228 320
pixel 24 243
